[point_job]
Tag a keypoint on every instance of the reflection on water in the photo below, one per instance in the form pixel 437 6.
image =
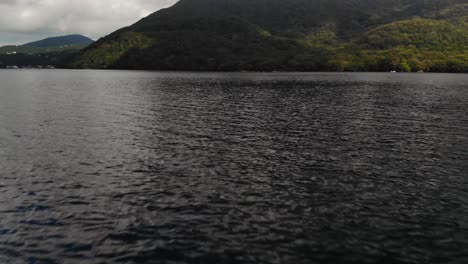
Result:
pixel 144 167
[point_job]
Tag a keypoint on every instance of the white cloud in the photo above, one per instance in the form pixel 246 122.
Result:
pixel 27 20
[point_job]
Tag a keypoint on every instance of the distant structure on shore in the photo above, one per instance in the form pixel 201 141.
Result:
pixel 41 67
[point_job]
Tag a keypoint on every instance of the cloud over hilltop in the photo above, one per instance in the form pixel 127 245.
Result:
pixel 25 20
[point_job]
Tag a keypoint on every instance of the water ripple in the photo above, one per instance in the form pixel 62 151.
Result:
pixel 145 167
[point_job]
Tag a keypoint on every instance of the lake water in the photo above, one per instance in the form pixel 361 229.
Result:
pixel 148 167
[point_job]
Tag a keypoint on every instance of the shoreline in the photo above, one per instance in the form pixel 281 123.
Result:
pixel 192 71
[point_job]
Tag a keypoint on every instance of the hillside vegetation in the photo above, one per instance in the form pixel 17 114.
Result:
pixel 69 40
pixel 54 51
pixel 294 35
pixel 37 50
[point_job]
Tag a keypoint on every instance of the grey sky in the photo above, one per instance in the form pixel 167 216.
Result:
pixel 27 20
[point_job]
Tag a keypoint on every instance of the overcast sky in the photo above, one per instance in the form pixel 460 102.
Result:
pixel 22 21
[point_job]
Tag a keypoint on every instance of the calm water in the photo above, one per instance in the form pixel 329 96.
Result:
pixel 145 167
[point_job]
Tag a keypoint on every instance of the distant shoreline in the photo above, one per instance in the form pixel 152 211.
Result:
pixel 237 72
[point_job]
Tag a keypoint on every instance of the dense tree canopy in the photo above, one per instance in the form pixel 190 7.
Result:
pixel 304 35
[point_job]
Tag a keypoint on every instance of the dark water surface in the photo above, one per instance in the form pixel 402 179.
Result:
pixel 146 167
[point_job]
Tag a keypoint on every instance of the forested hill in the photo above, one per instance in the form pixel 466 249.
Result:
pixel 49 45
pixel 305 35
pixel 54 51
pixel 297 17
pixel 61 41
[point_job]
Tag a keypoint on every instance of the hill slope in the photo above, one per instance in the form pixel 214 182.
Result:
pixel 49 45
pixel 289 35
pixel 49 51
pixel 61 41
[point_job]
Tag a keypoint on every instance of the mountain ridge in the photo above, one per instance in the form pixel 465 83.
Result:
pixel 73 39
pixel 305 35
pixel 48 45
pixel 49 51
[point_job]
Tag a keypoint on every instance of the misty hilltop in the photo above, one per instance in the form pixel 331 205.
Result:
pixel 52 44
pixel 303 35
pixel 50 51
pixel 68 40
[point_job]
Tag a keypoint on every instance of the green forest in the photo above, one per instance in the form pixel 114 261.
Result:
pixel 411 45
pixel 293 35
pixel 54 51
pixel 296 35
